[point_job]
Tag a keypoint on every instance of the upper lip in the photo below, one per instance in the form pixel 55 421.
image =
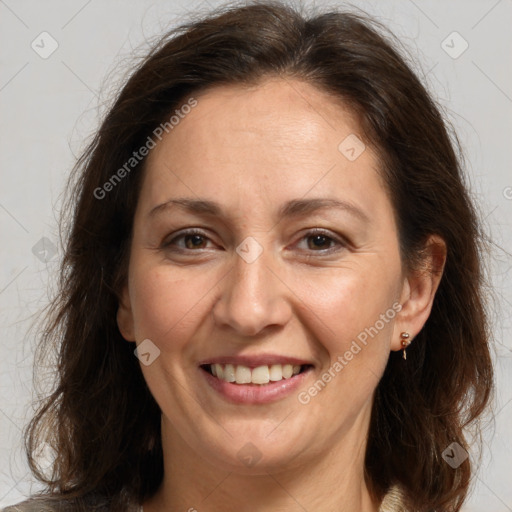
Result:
pixel 255 360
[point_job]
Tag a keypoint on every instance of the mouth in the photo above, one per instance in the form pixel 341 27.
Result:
pixel 251 381
pixel 260 375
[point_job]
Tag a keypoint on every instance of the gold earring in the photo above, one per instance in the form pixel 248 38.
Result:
pixel 405 342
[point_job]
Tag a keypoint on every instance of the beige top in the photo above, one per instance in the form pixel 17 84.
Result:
pixel 392 503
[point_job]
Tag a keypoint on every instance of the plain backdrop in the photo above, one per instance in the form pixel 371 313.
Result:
pixel 60 63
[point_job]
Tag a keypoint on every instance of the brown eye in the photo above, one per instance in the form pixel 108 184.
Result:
pixel 194 241
pixel 188 241
pixel 316 242
pixel 320 243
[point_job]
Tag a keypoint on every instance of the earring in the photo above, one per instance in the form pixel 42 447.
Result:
pixel 405 342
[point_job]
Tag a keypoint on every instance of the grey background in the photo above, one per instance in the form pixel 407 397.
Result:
pixel 49 107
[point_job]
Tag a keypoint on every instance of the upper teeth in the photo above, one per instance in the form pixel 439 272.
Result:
pixel 260 375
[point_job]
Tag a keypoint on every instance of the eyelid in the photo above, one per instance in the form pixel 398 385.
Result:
pixel 182 233
pixel 308 232
pixel 338 239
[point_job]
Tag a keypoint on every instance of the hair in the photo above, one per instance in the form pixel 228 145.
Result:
pixel 100 420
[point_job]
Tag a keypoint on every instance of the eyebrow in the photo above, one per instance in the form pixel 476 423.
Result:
pixel 293 208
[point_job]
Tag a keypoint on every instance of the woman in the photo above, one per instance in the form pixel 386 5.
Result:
pixel 273 219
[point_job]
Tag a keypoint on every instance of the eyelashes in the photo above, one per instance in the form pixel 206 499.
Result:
pixel 313 242
pixel 319 238
pixel 193 240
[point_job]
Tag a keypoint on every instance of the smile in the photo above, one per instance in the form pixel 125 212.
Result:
pixel 255 383
pixel 241 374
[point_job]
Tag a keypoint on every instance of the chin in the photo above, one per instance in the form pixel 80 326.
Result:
pixel 254 452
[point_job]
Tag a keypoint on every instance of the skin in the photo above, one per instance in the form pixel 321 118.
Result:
pixel 251 150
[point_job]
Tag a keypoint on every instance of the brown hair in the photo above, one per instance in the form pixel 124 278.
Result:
pixel 101 420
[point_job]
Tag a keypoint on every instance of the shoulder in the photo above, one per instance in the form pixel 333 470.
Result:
pixel 32 505
pixel 94 502
pixel 54 504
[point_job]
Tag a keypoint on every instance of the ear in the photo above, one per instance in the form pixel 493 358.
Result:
pixel 124 316
pixel 418 291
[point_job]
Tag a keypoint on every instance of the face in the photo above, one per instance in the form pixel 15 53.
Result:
pixel 260 250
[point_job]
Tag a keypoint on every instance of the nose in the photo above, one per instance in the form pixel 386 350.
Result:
pixel 253 299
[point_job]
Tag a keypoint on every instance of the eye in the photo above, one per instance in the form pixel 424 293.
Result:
pixel 188 240
pixel 320 241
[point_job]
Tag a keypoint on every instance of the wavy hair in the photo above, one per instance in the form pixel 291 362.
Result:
pixel 100 420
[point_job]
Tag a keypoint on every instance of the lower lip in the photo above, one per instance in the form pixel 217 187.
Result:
pixel 255 393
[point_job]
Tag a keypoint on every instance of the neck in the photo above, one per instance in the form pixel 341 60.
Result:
pixel 331 481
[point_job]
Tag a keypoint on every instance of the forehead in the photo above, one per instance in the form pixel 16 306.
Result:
pixel 277 140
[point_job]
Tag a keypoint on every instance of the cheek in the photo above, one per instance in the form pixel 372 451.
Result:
pixel 166 304
pixel 349 304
